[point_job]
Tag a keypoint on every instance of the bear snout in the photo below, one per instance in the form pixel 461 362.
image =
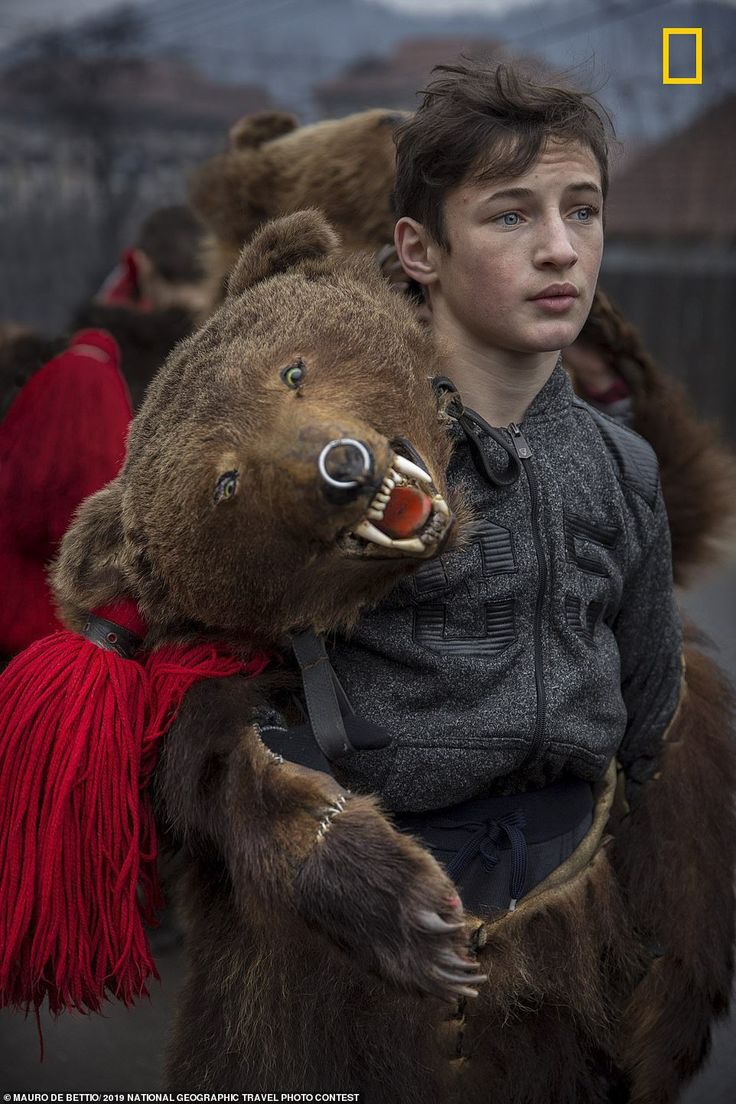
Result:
pixel 346 465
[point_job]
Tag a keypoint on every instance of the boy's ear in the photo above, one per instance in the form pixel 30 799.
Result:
pixel 295 241
pixel 89 571
pixel 417 251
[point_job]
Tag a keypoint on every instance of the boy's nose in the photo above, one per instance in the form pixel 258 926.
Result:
pixel 555 247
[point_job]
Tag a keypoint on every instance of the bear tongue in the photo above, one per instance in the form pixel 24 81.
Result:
pixel 406 512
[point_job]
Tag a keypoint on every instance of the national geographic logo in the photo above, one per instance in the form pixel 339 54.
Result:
pixel 696 33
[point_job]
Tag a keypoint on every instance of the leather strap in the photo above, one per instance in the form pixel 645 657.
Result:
pixel 321 694
pixel 111 637
pixel 471 422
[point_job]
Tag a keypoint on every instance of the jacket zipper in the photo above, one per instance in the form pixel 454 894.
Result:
pixel 524 453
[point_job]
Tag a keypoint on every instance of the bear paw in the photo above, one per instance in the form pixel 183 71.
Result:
pixel 386 901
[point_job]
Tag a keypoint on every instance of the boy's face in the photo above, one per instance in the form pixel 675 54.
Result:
pixel 512 240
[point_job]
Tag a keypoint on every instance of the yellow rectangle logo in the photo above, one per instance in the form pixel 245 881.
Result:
pixel 697 34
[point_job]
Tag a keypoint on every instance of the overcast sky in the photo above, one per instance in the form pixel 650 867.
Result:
pixel 20 16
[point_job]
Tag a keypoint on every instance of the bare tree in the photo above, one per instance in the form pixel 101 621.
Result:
pixel 76 79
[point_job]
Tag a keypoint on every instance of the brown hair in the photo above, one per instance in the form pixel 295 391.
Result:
pixel 486 123
pixel 172 238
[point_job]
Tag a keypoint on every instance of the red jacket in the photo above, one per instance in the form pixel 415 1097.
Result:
pixel 62 439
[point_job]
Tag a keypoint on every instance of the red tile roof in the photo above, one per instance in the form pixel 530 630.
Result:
pixel 683 188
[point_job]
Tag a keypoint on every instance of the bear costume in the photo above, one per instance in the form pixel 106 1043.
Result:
pixel 345 168
pixel 326 949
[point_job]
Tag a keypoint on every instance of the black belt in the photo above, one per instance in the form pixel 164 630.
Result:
pixel 486 825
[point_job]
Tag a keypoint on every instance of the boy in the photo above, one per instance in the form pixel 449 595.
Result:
pixel 514 671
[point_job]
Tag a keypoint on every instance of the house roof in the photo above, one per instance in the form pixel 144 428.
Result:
pixel 395 80
pixel 161 90
pixel 684 187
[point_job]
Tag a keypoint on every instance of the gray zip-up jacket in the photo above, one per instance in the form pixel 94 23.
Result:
pixel 548 645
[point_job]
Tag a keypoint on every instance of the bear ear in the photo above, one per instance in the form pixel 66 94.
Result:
pixel 284 243
pixel 88 572
pixel 252 131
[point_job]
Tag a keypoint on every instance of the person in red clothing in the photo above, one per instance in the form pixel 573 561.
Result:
pixel 164 268
pixel 61 438
pixel 154 296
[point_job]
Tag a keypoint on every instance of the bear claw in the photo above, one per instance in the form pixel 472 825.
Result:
pixel 433 922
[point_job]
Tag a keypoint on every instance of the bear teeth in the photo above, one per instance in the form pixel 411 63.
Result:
pixel 407 467
pixel 402 472
pixel 369 532
pixel 391 480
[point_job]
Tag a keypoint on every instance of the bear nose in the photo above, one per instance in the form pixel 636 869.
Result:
pixel 345 464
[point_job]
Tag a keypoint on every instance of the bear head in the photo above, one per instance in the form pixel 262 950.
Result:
pixel 287 466
pixel 344 167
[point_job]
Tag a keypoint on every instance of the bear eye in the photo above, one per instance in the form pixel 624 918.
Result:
pixel 226 486
pixel 293 374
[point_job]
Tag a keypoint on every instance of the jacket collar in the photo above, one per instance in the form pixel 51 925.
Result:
pixel 554 397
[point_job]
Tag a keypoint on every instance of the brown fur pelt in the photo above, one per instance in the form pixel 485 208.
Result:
pixel 674 855
pixel 277 993
pixel 269 999
pixel 697 470
pixel 343 167
pixel 579 1002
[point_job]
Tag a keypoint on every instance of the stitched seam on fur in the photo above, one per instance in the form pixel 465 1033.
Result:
pixel 330 814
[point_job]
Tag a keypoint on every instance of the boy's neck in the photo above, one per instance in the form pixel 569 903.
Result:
pixel 496 383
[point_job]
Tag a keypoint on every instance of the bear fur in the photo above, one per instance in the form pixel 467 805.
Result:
pixel 346 169
pixel 324 949
pixel 698 472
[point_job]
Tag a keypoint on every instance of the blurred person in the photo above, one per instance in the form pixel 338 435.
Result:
pixel 63 425
pixel 612 369
pixel 152 299
pixel 22 352
pixel 163 268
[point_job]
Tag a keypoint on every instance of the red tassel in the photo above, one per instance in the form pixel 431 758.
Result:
pixel 79 735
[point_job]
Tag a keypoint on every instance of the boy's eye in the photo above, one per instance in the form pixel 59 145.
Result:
pixel 511 218
pixel 585 214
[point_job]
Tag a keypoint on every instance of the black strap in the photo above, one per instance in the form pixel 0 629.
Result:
pixel 111 637
pixel 470 421
pixel 321 695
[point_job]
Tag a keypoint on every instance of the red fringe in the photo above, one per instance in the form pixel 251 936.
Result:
pixel 79 739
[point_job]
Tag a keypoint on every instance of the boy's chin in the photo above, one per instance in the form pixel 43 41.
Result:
pixel 549 336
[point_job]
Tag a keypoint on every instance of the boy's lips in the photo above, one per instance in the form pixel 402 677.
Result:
pixel 556 298
pixel 554 290
pixel 557 304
